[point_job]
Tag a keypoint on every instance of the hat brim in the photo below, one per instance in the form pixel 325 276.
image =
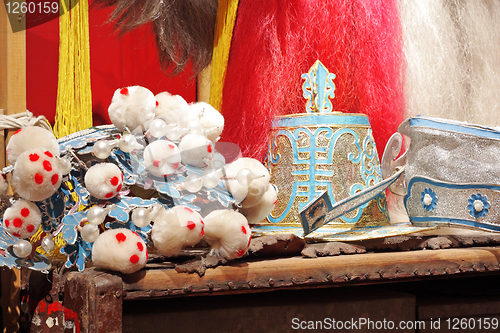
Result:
pixel 341 234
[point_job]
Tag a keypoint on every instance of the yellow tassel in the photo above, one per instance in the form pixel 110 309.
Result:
pixel 74 97
pixel 226 16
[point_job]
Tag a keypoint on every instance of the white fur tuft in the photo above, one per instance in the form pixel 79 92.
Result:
pixel 119 250
pixel 228 233
pixel 209 118
pixel 175 228
pixel 22 219
pixel 132 107
pixel 28 138
pixel 260 211
pixel 37 174
pixel 171 108
pixel 162 157
pixel 256 188
pixel 104 180
pixel 194 150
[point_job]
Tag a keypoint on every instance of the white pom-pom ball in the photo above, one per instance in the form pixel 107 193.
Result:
pixel 104 180
pixel 171 108
pixel 211 120
pixel 22 219
pixel 266 205
pixel 37 174
pixel 28 138
pixel 132 107
pixel 252 192
pixel 175 228
pixel 228 233
pixel 196 150
pixel 119 250
pixel 162 158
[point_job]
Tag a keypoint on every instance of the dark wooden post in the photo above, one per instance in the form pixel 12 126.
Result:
pixel 94 299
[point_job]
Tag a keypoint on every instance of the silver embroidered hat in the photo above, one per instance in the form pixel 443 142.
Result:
pixel 452 176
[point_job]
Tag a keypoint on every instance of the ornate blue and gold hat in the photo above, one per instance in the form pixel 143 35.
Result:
pixel 319 159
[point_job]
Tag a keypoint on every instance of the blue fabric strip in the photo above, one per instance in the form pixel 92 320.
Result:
pixel 480 131
pixel 321 119
pixel 475 224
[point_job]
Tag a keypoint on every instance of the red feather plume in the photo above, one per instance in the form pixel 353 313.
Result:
pixel 275 41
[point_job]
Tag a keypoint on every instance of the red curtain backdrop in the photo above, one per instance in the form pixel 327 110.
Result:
pixel 115 61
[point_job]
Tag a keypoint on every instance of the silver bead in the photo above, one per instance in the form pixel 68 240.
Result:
pixel 157 128
pixel 90 233
pixel 193 183
pixel 128 143
pixel 211 178
pixel 141 217
pixel 478 206
pixel 22 248
pixel 218 160
pixel 65 165
pixel 101 149
pixel 174 133
pixel 48 244
pixel 96 215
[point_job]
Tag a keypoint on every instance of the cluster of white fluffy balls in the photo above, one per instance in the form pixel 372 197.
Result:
pixel 182 133
pixel 36 175
pixel 178 134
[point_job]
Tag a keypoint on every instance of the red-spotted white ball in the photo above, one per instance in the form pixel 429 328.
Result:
pixel 171 108
pixel 119 250
pixel 30 137
pixel 132 107
pixel 22 219
pixel 196 150
pixel 162 158
pixel 176 228
pixel 211 120
pixel 251 194
pixel 228 233
pixel 104 180
pixel 37 174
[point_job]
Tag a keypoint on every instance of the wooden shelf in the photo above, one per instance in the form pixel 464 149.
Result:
pixel 93 300
pixel 260 275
